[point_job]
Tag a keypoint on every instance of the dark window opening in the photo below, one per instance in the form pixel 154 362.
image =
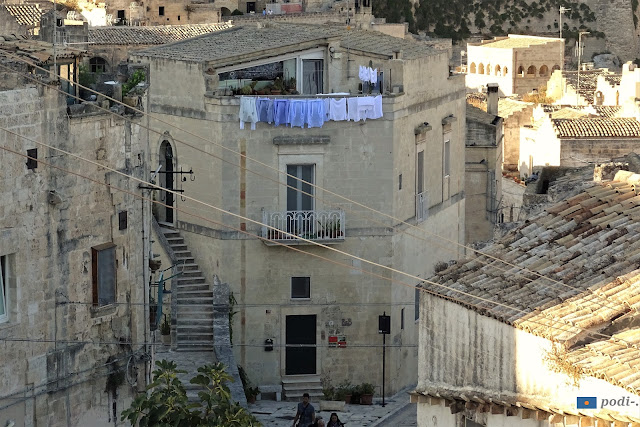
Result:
pixel 178 17
pixel 122 220
pixel 420 174
pixel 251 6
pixel 161 11
pixel 402 319
pixel 300 287
pixel 400 182
pixel 98 65
pixel 32 160
pixel 103 263
pixel 417 304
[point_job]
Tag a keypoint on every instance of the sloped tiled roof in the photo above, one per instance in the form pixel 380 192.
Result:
pixel 478 115
pixel 152 35
pixel 607 110
pixel 250 39
pixel 25 14
pixel 613 79
pixel 587 248
pixel 35 52
pixel 588 81
pixel 597 127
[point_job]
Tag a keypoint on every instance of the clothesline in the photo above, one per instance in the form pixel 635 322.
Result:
pixel 313 112
pixel 320 96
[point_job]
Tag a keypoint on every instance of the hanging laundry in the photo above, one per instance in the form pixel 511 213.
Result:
pixel 265 110
pixel 377 107
pixel 338 109
pixel 248 112
pixel 281 111
pixel 374 76
pixel 352 109
pixel 315 113
pixel 327 107
pixel 365 107
pixel 364 74
pixel 298 112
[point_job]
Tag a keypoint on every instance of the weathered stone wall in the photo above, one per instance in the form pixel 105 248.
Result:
pixel 60 377
pixel 512 126
pixel 361 161
pixel 579 152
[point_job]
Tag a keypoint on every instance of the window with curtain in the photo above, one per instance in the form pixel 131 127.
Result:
pixel 312 76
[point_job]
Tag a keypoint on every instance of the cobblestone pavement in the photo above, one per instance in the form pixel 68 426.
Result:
pixel 281 414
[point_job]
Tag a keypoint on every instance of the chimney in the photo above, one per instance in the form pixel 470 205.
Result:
pixel 492 98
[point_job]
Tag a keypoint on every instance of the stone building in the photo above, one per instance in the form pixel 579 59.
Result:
pixel 509 346
pixel 577 140
pixel 161 12
pixel 110 46
pixel 300 317
pixel 519 64
pixel 73 253
pixel 20 19
pixel 483 166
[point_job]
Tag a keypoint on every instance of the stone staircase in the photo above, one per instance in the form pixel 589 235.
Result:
pixel 194 298
pixel 294 386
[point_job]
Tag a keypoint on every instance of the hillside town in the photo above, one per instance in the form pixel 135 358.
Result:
pixel 319 213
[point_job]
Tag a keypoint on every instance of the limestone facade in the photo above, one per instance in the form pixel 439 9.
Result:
pixel 377 163
pixel 65 348
pixel 518 64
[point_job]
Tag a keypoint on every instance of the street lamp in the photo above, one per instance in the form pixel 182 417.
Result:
pixel 562 11
pixel 580 47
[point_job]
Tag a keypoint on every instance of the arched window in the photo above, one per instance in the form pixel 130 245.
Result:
pixel 472 68
pixel 531 71
pixel 498 70
pixel 521 71
pixel 225 11
pixel 97 65
pixel 544 71
pixel 481 68
pixel 555 67
pixel 599 98
pixel 488 70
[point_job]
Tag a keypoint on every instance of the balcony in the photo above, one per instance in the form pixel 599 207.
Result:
pixel 289 227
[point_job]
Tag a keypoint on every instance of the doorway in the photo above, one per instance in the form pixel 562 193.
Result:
pixel 166 181
pixel 301 329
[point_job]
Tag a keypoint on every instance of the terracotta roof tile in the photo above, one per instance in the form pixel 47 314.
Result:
pixel 596 127
pixel 152 35
pixel 25 14
pixel 591 243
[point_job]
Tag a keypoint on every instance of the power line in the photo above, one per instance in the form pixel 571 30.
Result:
pixel 560 321
pixel 301 191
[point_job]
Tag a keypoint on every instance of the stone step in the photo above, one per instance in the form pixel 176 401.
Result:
pixel 177 247
pixel 295 385
pixel 194 323
pixel 202 293
pixel 194 345
pixel 188 267
pixel 182 255
pixel 190 281
pixel 185 260
pixel 191 273
pixel 204 328
pixel 200 337
pixel 194 300
pixel 193 287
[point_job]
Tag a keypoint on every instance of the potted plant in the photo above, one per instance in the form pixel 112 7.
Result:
pixel 251 393
pixel 366 393
pixel 344 390
pixel 278 86
pixel 333 398
pixel 165 330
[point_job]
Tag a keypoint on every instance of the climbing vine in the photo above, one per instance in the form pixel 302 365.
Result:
pixel 557 360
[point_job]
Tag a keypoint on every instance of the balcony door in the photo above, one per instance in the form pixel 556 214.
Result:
pixel 300 202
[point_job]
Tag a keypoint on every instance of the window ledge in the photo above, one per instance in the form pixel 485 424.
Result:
pixel 105 310
pixel 300 299
pixel 5 326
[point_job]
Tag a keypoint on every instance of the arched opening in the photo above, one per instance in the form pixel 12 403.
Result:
pixel 599 98
pixel 544 71
pixel 498 70
pixel 521 71
pixel 555 67
pixel 531 71
pixel 481 68
pixel 225 11
pixel 166 181
pixel 506 71
pixel 98 65
pixel 488 70
pixel 472 68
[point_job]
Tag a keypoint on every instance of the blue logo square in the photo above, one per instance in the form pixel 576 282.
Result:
pixel 587 402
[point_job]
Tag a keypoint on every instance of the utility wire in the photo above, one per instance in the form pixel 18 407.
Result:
pixel 566 323
pixel 478 252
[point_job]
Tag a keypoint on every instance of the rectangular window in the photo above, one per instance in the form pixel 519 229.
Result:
pixel 300 192
pixel 447 158
pixel 161 11
pixel 312 73
pixel 301 287
pixel 32 160
pixel 400 182
pixel 402 319
pixel 122 220
pixel 103 263
pixel 420 173
pixel 4 312
pixel 417 304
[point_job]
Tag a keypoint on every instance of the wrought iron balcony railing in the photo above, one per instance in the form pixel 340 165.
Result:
pixel 290 226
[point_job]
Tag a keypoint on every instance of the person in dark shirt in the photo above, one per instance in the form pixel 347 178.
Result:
pixel 306 413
